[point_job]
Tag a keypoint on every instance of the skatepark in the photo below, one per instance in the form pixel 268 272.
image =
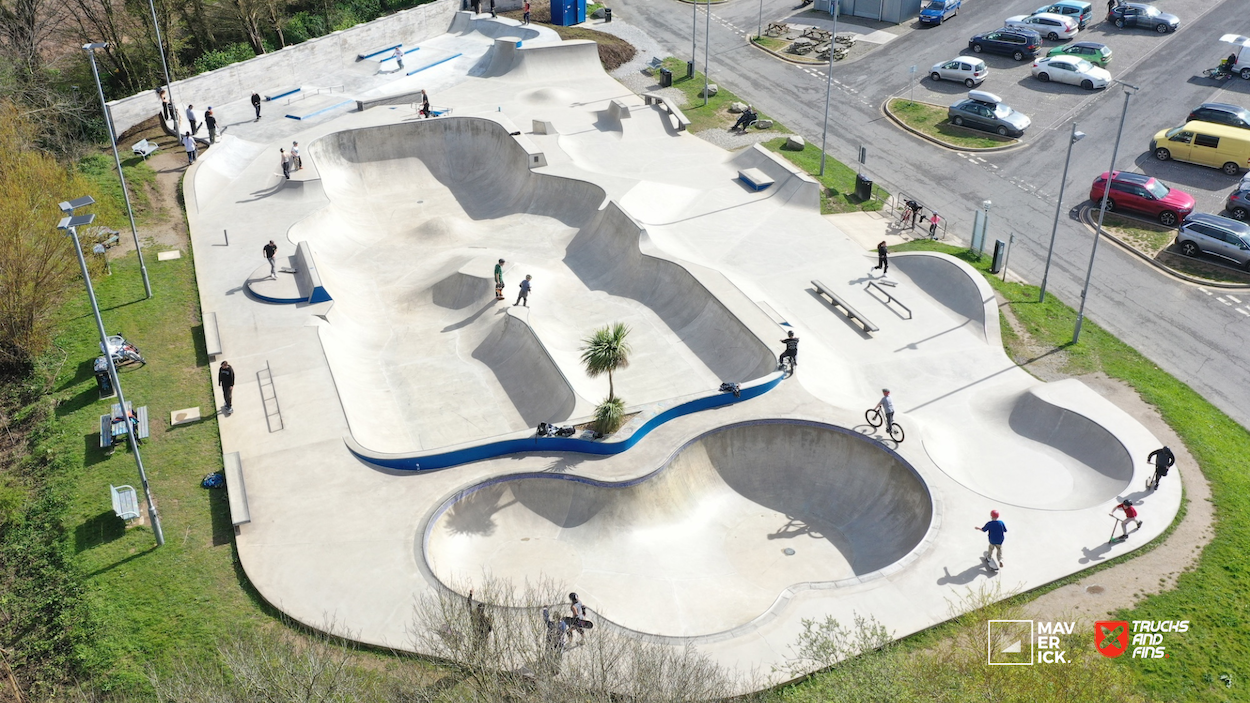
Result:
pixel 388 450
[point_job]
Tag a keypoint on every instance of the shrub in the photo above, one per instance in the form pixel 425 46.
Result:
pixel 609 416
pixel 213 60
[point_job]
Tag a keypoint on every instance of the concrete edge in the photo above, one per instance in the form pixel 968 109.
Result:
pixel 991 325
pixel 885 110
pixel 780 55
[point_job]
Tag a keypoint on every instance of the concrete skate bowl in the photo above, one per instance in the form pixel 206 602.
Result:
pixel 1047 457
pixel 950 284
pixel 699 546
pixel 422 355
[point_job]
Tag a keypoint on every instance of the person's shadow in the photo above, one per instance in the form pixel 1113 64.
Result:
pixel 966 576
pixel 1096 554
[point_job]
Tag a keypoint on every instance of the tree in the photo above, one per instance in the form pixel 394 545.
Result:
pixel 605 351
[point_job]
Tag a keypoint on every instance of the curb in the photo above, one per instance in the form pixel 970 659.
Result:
pixel 783 57
pixel 885 109
pixel 1087 210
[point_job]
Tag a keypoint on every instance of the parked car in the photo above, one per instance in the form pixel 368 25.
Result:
pixel 1135 14
pixel 1077 9
pixel 938 11
pixel 1239 201
pixel 1053 27
pixel 1071 70
pixel 982 110
pixel 1091 51
pixel 1141 193
pixel 1019 44
pixel 1216 236
pixel 1215 145
pixel 1221 113
pixel 968 70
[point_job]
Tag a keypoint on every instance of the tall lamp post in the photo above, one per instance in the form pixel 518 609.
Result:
pixel 160 49
pixel 71 223
pixel 824 134
pixel 108 122
pixel 1076 137
pixel 707 44
pixel 1102 210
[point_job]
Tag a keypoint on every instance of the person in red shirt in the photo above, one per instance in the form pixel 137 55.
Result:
pixel 1130 514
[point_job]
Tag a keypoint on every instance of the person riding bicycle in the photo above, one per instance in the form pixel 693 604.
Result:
pixel 886 404
pixel 792 350
pixel 1163 459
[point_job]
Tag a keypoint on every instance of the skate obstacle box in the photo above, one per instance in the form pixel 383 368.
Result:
pixel 306 275
pixel 755 179
pixel 236 490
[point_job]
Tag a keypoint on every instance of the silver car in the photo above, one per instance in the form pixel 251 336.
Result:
pixel 1215 236
pixel 982 110
pixel 968 70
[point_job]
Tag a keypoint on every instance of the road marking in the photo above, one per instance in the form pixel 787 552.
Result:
pixel 1234 299
pixel 1222 300
pixel 1204 290
pixel 1243 312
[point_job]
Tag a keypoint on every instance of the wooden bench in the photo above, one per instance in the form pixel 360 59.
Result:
pixel 145 149
pixel 682 121
pixel 212 338
pixel 851 312
pixel 756 179
pixel 125 502
pixel 777 29
pixel 236 489
pixel 111 431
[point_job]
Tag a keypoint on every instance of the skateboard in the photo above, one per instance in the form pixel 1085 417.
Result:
pixel 990 562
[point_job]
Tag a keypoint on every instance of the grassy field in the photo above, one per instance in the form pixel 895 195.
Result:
pixel 714 115
pixel 932 120
pixel 1156 241
pixel 838 194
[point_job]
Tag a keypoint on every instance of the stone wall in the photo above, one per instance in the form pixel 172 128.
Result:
pixel 302 64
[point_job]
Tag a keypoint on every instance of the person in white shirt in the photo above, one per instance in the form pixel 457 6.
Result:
pixel 188 142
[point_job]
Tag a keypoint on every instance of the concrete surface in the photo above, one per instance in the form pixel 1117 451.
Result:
pixel 622 219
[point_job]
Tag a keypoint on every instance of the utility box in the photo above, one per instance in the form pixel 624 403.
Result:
pixel 567 13
pixel 1000 253
pixel 863 187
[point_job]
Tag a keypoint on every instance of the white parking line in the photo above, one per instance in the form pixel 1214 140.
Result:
pixel 1222 300
pixel 1235 299
pixel 1204 290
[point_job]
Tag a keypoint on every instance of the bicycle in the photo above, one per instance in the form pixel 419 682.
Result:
pixel 876 418
pixel 911 209
pixel 788 364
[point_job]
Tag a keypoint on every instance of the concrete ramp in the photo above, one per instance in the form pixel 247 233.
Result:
pixel 699 546
pixel 951 285
pixel 556 63
pixel 526 372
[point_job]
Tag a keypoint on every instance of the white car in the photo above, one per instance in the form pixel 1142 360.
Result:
pixel 1073 70
pixel 968 70
pixel 1050 26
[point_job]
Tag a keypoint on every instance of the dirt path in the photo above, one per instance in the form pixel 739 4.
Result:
pixel 165 225
pixel 1097 595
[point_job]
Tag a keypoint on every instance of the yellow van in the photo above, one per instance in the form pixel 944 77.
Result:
pixel 1216 145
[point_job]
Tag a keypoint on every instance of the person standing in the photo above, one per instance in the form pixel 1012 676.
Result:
pixel 492 9
pixel 271 251
pixel 225 379
pixel 425 104
pixel 886 404
pixel 210 121
pixel 286 164
pixel 557 631
pixel 297 163
pixel 188 143
pixel 997 530
pixel 577 622
pixel 934 220
pixel 1130 513
pixel 499 280
pixel 1110 8
pixel 1163 459
pixel 195 126
pixel 399 57
pixel 524 297
pixel 525 17
pixel 167 109
pixel 479 623
pixel 256 104
pixel 883 261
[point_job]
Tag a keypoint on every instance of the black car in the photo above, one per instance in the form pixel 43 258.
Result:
pixel 1221 113
pixel 1019 44
pixel 1135 14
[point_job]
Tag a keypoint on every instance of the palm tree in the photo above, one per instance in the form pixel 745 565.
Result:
pixel 606 351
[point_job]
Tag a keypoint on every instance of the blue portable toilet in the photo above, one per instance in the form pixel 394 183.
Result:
pixel 567 13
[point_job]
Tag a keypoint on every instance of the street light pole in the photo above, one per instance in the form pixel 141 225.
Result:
pixel 169 86
pixel 824 134
pixel 694 34
pixel 1076 137
pixel 1102 211
pixel 108 122
pixel 707 44
pixel 759 29
pixel 71 223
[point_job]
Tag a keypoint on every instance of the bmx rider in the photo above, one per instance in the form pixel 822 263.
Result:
pixel 886 405
pixel 792 350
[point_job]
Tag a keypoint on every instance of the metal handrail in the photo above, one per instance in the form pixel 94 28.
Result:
pixel 889 298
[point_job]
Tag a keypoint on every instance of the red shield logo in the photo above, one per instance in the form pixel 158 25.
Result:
pixel 1111 637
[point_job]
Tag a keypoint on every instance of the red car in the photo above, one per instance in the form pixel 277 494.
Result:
pixel 1141 193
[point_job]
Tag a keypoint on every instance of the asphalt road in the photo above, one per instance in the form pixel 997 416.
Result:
pixel 1202 336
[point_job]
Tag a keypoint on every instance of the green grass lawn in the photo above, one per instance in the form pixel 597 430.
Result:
pixel 1215 596
pixel 932 120
pixel 716 114
pixel 838 195
pixel 774 43
pixel 1145 237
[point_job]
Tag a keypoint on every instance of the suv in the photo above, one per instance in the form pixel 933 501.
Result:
pixel 1239 202
pixel 1076 9
pixel 1221 113
pixel 1019 44
pixel 1141 193
pixel 986 111
pixel 1215 236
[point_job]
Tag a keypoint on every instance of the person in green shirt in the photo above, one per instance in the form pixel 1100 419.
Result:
pixel 499 280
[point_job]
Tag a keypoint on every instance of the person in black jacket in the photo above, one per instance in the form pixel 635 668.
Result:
pixel 1163 459
pixel 210 121
pixel 225 379
pixel 256 104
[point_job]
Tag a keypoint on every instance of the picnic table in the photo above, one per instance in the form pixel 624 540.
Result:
pixel 117 424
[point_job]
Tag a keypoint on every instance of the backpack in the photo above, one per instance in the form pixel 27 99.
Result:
pixel 214 480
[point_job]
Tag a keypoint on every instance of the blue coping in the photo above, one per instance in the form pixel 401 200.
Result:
pixel 322 110
pixel 432 65
pixel 285 92
pixel 383 50
pixel 491 450
pixel 319 295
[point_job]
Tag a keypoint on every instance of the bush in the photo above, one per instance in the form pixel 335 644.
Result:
pixel 304 26
pixel 213 60
pixel 609 416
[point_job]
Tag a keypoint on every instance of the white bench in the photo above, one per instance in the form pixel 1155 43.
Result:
pixel 125 502
pixel 236 489
pixel 851 312
pixel 212 338
pixel 145 149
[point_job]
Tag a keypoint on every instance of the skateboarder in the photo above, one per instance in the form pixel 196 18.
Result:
pixel 997 530
pixel 499 280
pixel 577 622
pixel 1163 459
pixel 225 379
pixel 524 297
pixel 271 250
pixel 1130 513
pixel 399 58
pixel 883 262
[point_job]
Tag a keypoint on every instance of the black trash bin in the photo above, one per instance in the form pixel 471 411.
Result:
pixel 1000 255
pixel 102 380
pixel 863 187
pixel 666 78
pixel 607 14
